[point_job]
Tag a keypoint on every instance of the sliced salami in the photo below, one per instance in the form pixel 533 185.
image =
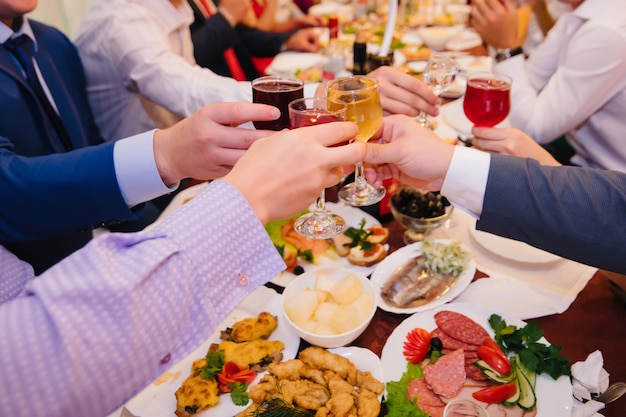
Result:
pixel 425 396
pixel 460 327
pixel 447 376
pixel 450 343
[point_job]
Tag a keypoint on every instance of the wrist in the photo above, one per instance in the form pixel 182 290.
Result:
pixel 503 54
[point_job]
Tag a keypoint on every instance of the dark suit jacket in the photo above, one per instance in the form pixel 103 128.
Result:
pixel 578 213
pixel 212 36
pixel 51 202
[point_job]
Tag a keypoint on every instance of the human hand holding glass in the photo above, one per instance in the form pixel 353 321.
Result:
pixel 360 93
pixel 439 74
pixel 310 111
pixel 278 92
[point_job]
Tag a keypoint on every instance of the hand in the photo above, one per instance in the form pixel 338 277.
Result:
pixel 496 21
pixel 206 145
pixel 412 154
pixel 510 141
pixel 305 40
pixel 282 174
pixel 309 21
pixel 236 10
pixel 401 93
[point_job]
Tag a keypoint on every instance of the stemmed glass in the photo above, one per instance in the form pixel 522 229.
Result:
pixel 360 93
pixel 439 74
pixel 278 92
pixel 319 224
pixel 487 102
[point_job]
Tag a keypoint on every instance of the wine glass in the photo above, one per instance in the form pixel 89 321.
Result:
pixel 309 111
pixel 487 102
pixel 439 74
pixel 278 92
pixel 360 93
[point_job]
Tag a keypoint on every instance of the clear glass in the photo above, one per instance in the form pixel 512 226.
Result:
pixel 464 408
pixel 439 74
pixel 360 93
pixel 278 92
pixel 310 111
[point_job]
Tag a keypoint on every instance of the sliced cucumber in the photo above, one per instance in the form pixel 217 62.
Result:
pixel 530 375
pixel 493 375
pixel 513 399
pixel 527 400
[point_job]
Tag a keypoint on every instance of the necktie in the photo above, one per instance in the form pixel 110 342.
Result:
pixel 22 48
pixel 231 58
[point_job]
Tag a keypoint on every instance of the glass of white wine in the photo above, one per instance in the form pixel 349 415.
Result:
pixel 439 74
pixel 360 93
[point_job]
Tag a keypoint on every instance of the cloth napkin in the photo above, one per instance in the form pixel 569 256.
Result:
pixel 524 290
pixel 589 379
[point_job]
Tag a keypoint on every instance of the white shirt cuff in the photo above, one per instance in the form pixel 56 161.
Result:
pixel 466 179
pixel 136 170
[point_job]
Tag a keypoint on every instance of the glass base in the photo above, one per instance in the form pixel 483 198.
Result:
pixel 412 236
pixel 366 197
pixel 319 226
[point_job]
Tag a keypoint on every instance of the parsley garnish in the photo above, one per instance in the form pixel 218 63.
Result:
pixel 239 393
pixel 535 356
pixel 214 365
pixel 359 237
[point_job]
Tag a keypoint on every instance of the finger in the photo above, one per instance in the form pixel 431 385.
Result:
pixel 239 113
pixel 378 154
pixel 330 133
pixel 344 155
pixel 227 137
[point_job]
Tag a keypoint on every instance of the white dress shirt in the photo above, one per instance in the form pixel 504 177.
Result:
pixel 138 55
pixel 574 83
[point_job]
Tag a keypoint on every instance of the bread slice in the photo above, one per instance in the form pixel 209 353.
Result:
pixel 339 241
pixel 379 234
pixel 361 258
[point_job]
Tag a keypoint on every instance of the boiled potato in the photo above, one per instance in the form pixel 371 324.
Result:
pixel 325 312
pixel 323 283
pixel 301 307
pixel 345 318
pixel 348 289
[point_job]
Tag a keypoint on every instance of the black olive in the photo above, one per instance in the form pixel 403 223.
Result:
pixel 298 270
pixel 435 344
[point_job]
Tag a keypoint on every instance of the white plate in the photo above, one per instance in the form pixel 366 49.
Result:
pixel 456 90
pixel 473 63
pixel 391 263
pixel 510 249
pixel 287 63
pixel 158 399
pixel 554 398
pixel 452 114
pixel 363 359
pixel 417 66
pixel 353 217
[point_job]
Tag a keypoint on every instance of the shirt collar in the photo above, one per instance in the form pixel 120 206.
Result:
pixel 173 18
pixel 6 32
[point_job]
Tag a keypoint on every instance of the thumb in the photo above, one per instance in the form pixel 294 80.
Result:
pixel 378 154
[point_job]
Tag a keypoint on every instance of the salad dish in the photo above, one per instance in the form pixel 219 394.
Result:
pixel 464 351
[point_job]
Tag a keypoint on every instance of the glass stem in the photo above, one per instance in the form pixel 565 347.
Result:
pixel 360 182
pixel 422 119
pixel 320 204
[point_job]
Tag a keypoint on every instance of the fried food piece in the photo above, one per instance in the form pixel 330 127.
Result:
pixel 323 359
pixel 266 388
pixel 308 394
pixel 195 394
pixel 257 354
pixel 365 380
pixel 367 403
pixel 294 369
pixel 253 328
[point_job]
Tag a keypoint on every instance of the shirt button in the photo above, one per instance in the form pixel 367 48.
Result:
pixel 166 359
pixel 243 280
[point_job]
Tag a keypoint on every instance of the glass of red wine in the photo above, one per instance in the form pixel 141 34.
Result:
pixel 487 102
pixel 310 111
pixel 278 92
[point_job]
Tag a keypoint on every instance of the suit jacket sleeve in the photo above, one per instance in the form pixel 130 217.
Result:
pixel 47 196
pixel 575 212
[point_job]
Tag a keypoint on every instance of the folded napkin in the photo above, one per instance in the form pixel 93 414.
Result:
pixel 589 379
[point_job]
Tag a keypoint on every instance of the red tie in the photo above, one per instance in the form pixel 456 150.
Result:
pixel 231 58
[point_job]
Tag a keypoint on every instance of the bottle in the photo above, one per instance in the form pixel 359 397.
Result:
pixel 335 57
pixel 359 53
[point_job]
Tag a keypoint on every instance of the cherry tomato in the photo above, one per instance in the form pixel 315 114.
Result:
pixel 496 394
pixel 494 359
pixel 416 345
pixel 231 372
pixel 489 342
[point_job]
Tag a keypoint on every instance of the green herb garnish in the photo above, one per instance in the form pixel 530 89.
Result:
pixel 535 356
pixel 397 402
pixel 239 393
pixel 215 363
pixel 359 237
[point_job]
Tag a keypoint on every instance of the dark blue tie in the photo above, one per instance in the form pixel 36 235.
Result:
pixel 22 48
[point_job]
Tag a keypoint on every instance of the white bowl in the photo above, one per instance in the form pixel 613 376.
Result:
pixel 436 37
pixel 307 280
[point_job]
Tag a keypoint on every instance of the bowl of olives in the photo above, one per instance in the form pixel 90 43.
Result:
pixel 419 211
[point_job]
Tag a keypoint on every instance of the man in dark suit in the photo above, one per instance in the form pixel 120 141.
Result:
pixel 58 184
pixel 214 32
pixel 560 209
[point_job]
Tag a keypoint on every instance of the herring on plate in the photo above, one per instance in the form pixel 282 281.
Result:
pixel 427 276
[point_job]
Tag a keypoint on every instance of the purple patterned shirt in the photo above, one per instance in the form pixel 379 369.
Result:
pixel 99 326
